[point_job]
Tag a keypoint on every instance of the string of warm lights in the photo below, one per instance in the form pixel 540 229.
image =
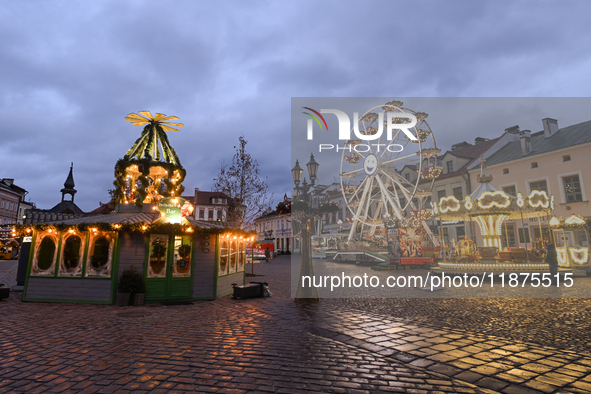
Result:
pixel 141 227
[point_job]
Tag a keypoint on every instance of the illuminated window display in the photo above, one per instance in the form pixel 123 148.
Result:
pixel 45 254
pixel 71 255
pixel 158 253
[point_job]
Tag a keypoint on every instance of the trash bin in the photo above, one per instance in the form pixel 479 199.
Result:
pixel 4 291
pixel 251 290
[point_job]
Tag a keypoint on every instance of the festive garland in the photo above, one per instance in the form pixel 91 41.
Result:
pixel 140 227
pixel 144 165
pixel 152 140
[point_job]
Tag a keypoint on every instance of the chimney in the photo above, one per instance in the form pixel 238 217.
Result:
pixel 513 129
pixel 525 138
pixel 478 140
pixel 550 126
pixel 8 181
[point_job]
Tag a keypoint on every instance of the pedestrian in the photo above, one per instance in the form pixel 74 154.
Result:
pixel 552 262
pixel 267 254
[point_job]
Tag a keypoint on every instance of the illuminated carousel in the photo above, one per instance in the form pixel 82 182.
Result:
pixel 490 209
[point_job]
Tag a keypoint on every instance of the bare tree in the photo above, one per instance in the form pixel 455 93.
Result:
pixel 242 183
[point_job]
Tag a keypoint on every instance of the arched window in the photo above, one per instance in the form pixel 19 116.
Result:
pixel 71 256
pixel 233 256
pixel 45 254
pixel 223 268
pixel 100 254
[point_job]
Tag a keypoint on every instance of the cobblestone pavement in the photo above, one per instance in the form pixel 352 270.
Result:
pixel 276 345
pixel 8 272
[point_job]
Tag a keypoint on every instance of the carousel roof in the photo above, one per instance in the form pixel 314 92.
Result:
pixel 487 200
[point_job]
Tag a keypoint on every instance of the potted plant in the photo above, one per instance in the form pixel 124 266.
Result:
pixel 138 288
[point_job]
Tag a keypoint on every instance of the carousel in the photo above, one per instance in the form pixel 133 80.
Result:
pixel 490 209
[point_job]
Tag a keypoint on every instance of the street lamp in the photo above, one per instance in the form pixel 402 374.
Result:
pixel 305 217
pixel 340 223
pixel 393 250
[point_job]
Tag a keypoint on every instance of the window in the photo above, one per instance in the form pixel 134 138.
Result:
pixel 2 204
pixel 214 200
pixel 509 235
pixel 71 259
pixel 440 194
pixel 210 214
pixel 181 266
pixel 524 235
pixel 538 185
pixel 45 255
pixel 510 190
pixel 572 188
pixel 100 254
pixel 450 166
pixel 566 158
pixel 460 232
pixel 407 176
pixel 505 171
pixel 458 193
pixel 12 206
pixel 158 253
pixel 201 213
pixel 534 164
pixel 220 214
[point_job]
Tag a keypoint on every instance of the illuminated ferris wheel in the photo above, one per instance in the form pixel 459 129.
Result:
pixel 383 178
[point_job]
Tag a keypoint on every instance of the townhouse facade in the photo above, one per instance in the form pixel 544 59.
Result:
pixel 11 197
pixel 209 206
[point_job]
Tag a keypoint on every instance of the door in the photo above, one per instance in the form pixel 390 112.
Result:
pixel 169 271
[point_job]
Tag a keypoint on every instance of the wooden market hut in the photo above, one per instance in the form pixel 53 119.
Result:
pixel 182 259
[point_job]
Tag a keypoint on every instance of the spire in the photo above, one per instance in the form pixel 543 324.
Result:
pixel 69 185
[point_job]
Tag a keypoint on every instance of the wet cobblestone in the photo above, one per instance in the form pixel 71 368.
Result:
pixel 276 345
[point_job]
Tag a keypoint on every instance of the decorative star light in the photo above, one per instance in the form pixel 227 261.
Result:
pixel 146 117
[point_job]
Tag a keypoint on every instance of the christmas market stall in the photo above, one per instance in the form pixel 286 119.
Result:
pixel 152 229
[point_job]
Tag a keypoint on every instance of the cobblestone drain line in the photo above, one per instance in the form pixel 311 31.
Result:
pixel 489 362
pixel 206 347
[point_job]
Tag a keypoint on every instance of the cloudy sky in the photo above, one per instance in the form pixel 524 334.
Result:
pixel 70 72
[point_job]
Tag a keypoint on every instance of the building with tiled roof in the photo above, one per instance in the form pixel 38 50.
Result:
pixel 11 197
pixel 209 206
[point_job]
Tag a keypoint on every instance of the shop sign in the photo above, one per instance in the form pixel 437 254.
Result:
pixel 174 209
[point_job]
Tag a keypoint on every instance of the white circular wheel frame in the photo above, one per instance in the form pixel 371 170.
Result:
pixel 371 177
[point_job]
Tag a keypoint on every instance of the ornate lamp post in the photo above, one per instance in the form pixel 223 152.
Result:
pixel 305 216
pixel 340 223
pixel 391 223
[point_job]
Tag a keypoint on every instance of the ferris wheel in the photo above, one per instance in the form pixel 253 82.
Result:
pixel 383 178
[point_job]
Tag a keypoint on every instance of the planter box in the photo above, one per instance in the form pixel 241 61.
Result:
pixel 122 299
pixel 138 299
pixel 4 292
